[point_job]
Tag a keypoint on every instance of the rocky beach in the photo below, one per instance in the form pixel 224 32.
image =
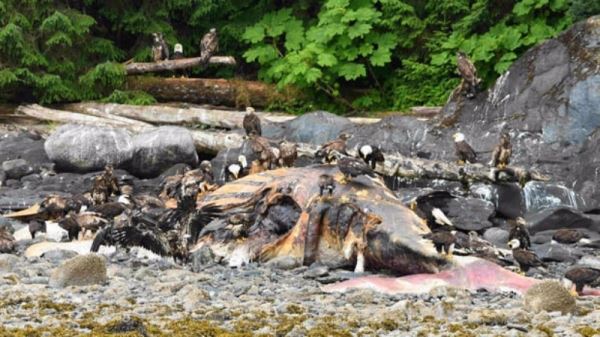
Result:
pixel 51 287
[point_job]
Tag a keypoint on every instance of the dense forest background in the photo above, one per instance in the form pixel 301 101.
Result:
pixel 344 55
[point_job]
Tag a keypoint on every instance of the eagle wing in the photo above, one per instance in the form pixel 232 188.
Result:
pixel 584 275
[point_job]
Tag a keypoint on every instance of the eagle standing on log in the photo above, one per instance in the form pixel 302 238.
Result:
pixel 160 49
pixel 468 72
pixel 251 123
pixel 464 151
pixel 209 45
pixel 502 152
pixel 178 55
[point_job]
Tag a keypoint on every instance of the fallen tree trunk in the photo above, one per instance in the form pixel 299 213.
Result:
pixel 395 165
pixel 135 68
pixel 160 114
pixel 60 116
pixel 214 91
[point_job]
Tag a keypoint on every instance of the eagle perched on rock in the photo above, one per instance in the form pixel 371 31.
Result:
pixel 502 152
pixel 209 45
pixel 464 151
pixel 468 72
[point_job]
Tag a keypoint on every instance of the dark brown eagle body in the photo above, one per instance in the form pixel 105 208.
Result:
pixel 464 151
pixel 209 45
pixel 524 258
pixel 443 240
pixel 519 232
pixel 371 155
pixel 262 149
pixel 582 276
pixel 468 72
pixel 352 167
pixel 251 123
pixel 502 152
pixel 567 236
pixel 160 50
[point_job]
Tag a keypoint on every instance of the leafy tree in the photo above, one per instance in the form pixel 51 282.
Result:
pixel 374 54
pixel 582 9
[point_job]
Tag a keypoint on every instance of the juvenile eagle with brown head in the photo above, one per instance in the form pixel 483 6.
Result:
pixel 468 72
pixel 209 45
pixel 502 152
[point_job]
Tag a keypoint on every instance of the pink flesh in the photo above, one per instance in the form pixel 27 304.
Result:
pixel 473 275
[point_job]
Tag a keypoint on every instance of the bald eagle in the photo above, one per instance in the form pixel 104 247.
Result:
pixel 502 152
pixel 160 50
pixel 251 123
pixel 524 258
pixel 209 45
pixel 518 231
pixel 371 155
pixel 581 276
pixel 237 169
pixel 464 151
pixel 468 72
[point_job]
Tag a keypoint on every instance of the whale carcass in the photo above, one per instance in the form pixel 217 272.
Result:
pixel 280 213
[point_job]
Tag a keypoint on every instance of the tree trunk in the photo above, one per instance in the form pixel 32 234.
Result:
pixel 135 68
pixel 234 93
pixel 395 165
pixel 160 114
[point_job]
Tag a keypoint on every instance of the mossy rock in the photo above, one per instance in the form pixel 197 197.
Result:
pixel 81 270
pixel 549 296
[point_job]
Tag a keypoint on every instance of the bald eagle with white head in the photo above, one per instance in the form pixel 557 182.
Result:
pixel 464 151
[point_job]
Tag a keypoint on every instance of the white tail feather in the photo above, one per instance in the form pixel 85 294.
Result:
pixel 440 217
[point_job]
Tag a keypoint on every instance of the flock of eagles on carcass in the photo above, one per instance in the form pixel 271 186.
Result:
pixel 119 217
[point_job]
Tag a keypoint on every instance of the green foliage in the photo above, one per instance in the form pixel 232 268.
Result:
pixel 343 54
pixel 376 54
pixel 134 97
pixel 582 9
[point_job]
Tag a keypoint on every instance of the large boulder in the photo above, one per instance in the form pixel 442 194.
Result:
pixel 158 149
pixel 84 148
pixel 315 128
pixel 81 270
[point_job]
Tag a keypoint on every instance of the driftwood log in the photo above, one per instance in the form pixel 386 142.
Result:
pixel 162 114
pixel 395 164
pixel 214 91
pixel 136 68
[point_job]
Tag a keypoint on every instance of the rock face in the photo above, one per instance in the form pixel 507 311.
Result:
pixel 315 128
pixel 549 296
pixel 88 148
pixel 548 101
pixel 156 150
pixel 79 271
